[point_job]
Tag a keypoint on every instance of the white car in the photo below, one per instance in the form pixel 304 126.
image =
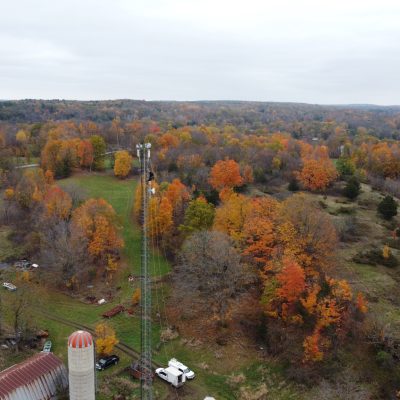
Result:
pixel 9 286
pixel 173 362
pixel 35 265
pixel 173 376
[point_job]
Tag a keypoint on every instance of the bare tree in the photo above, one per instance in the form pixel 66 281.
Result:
pixel 209 274
pixel 18 305
pixel 63 254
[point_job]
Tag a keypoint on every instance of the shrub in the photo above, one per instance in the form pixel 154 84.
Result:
pixel 376 256
pixel 384 359
pixel 388 207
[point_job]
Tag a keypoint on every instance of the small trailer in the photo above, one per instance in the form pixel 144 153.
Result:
pixel 172 375
pixel 114 311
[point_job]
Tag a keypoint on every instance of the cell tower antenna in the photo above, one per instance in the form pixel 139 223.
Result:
pixel 146 382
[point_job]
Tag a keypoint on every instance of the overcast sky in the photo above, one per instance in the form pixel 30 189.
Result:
pixel 315 51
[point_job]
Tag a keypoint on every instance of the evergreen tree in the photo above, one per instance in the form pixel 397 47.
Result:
pixel 293 186
pixel 388 207
pixel 352 188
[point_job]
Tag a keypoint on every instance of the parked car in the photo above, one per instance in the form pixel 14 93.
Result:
pixel 9 286
pixel 22 264
pixel 107 362
pixel 35 265
pixel 171 375
pixel 173 362
pixel 47 346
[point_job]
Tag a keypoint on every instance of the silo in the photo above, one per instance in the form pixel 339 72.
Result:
pixel 81 366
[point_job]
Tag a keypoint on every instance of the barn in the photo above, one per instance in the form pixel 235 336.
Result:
pixel 37 378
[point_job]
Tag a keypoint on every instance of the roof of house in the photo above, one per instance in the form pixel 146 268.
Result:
pixel 80 339
pixel 27 372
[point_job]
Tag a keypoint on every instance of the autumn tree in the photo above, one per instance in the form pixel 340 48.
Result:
pixel 231 216
pixel 317 174
pixel 259 229
pixel 9 196
pixel 178 196
pixel 85 153
pixel 160 221
pixel 106 339
pixel 49 177
pixel 291 282
pixel 30 188
pixel 99 150
pixel 225 175
pixel 50 155
pixel 95 221
pixel 199 215
pixel 306 233
pixel 123 164
pixel 136 297
pixel 22 138
pixel 59 156
pixel 57 203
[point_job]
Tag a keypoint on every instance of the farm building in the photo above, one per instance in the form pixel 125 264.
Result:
pixel 37 378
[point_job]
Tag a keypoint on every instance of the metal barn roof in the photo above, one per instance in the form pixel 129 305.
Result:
pixel 36 378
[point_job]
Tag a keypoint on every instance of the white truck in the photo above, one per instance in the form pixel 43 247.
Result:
pixel 172 375
pixel 173 362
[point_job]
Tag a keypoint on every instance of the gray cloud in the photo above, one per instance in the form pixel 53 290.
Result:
pixel 287 50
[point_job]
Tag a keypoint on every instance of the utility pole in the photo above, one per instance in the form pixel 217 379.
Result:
pixel 146 389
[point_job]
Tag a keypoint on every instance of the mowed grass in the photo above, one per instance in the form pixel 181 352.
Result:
pixel 120 194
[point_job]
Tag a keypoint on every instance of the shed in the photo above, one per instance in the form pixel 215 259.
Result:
pixel 37 378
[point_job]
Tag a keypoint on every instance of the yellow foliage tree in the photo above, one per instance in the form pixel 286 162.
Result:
pixel 106 339
pixel 136 297
pixel 9 194
pixel 123 164
pixel 386 252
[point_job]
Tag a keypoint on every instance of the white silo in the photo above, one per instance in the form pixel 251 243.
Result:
pixel 81 366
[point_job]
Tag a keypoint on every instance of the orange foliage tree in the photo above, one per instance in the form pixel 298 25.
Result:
pixel 159 222
pixel 57 203
pixel 85 153
pixel 225 175
pixel 95 222
pixel 293 244
pixel 178 196
pixel 259 229
pixel 317 174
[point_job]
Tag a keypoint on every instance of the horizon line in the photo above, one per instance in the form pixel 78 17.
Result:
pixel 206 101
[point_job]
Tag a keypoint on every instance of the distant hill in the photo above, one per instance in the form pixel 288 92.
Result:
pixel 382 121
